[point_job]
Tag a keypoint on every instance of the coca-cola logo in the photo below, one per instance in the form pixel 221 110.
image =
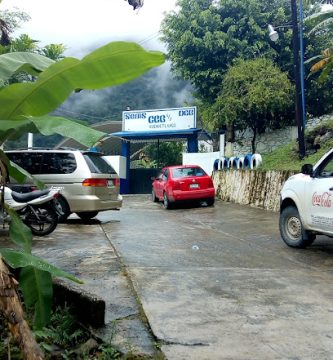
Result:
pixel 323 200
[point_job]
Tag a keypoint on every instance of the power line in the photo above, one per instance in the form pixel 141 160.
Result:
pixel 80 114
pixel 149 38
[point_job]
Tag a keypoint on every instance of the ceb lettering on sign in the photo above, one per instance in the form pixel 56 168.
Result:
pixel 154 119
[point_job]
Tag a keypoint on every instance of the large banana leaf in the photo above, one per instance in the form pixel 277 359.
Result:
pixel 19 174
pixel 113 64
pixel 49 125
pixel 319 20
pixel 30 63
pixel 37 289
pixel 18 259
pixel 19 232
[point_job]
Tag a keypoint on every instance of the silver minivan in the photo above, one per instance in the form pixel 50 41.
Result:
pixel 88 183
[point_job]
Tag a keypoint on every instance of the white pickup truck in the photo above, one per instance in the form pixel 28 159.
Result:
pixel 306 208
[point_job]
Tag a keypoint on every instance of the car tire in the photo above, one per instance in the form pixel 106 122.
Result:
pixel 87 215
pixel 292 230
pixel 166 202
pixel 153 196
pixel 62 203
pixel 210 201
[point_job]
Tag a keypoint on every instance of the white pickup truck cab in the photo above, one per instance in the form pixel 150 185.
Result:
pixel 307 204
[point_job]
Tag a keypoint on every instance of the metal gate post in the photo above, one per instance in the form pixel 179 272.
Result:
pixel 192 143
pixel 126 152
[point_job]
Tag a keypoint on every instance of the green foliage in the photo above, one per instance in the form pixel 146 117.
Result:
pixel 320 24
pixel 35 277
pixel 37 289
pixel 49 125
pixel 204 37
pixel 286 157
pixel 30 63
pixel 167 153
pixel 53 51
pixel 23 43
pixel 62 331
pixel 19 232
pixel 19 259
pixel 253 95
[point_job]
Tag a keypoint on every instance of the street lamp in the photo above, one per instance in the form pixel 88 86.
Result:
pixel 298 54
pixel 273 34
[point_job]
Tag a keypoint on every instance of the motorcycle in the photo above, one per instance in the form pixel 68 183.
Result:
pixel 38 209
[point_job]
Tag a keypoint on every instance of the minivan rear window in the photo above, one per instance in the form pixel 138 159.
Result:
pixel 37 163
pixel 98 165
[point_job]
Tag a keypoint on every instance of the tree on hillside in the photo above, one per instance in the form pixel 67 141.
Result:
pixel 254 94
pixel 204 37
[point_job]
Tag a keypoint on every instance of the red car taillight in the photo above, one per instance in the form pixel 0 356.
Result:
pixel 95 182
pixel 116 182
pixel 175 185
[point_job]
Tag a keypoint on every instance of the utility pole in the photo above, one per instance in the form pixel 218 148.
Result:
pixel 299 111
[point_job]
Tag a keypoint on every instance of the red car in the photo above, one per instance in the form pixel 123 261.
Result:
pixel 183 183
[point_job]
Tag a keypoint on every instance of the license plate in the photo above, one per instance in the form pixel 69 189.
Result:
pixel 194 186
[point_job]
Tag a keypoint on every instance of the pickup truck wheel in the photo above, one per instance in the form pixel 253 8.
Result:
pixel 291 229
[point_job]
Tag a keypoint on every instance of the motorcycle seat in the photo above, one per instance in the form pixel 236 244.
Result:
pixel 26 197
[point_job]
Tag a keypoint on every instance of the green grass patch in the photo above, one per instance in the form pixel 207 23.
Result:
pixel 286 157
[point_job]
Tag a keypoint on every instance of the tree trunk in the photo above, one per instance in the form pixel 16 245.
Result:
pixel 230 133
pixel 11 307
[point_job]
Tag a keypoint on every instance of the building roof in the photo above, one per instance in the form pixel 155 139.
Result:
pixel 171 135
pixel 111 145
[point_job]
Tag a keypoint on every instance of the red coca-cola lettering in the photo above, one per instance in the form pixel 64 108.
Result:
pixel 323 200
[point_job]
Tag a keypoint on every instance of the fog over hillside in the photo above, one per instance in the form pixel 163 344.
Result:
pixel 156 89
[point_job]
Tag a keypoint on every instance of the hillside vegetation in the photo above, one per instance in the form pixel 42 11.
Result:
pixel 286 157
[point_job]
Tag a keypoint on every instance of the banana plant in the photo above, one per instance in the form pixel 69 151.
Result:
pixel 28 104
pixel 321 21
pixel 25 107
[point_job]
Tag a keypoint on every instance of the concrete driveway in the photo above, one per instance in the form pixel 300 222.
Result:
pixel 219 283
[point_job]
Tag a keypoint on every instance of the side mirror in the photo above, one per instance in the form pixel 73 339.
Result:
pixel 307 169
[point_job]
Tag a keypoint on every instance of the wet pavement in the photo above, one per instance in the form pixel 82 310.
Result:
pixel 219 283
pixel 212 282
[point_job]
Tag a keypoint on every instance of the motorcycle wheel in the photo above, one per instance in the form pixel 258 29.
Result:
pixel 45 221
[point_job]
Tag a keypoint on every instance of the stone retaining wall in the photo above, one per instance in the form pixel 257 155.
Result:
pixel 251 187
pixel 271 139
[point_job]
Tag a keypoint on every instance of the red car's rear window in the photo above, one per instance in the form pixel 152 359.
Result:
pixel 188 171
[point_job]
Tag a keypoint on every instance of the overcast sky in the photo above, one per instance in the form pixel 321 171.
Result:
pixel 82 25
